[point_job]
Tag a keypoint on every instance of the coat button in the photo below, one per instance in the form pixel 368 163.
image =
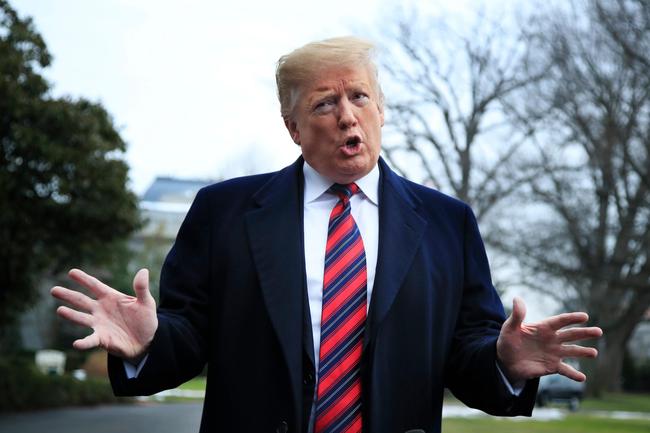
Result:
pixel 309 378
pixel 282 428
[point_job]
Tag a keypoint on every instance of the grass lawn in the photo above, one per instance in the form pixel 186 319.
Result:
pixel 624 402
pixel 580 422
pixel 198 384
pixel 572 424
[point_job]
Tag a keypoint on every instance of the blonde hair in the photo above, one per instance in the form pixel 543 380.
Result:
pixel 302 64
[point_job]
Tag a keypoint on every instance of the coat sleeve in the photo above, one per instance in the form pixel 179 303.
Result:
pixel 178 350
pixel 472 373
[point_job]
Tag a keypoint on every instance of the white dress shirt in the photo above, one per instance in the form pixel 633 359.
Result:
pixel 318 205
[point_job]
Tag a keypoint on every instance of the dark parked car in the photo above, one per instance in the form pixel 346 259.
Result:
pixel 558 388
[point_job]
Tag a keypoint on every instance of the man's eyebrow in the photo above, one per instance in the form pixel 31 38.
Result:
pixel 321 93
pixel 358 85
pixel 325 90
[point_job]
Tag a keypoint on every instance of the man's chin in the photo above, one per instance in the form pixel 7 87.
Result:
pixel 352 171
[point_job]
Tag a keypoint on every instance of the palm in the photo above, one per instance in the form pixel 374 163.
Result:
pixel 527 351
pixel 123 325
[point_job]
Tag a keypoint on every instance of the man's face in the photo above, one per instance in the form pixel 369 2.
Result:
pixel 337 122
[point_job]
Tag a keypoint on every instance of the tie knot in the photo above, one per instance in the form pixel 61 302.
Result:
pixel 344 192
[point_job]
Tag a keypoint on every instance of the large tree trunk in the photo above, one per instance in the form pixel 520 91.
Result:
pixel 607 374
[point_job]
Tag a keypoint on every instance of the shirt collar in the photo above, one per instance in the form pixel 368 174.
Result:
pixel 316 184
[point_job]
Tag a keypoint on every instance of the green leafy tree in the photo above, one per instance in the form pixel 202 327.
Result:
pixel 63 195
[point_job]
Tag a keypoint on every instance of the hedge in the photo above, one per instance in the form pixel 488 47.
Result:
pixel 23 387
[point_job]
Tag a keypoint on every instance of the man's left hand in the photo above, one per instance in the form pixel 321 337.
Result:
pixel 526 351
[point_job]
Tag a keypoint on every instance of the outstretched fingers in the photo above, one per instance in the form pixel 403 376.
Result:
pixel 570 372
pixel 566 319
pixel 88 281
pixel 141 286
pixel 518 315
pixel 89 342
pixel 72 297
pixel 575 351
pixel 75 316
pixel 577 334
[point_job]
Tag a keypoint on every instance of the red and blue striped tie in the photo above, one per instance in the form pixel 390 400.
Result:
pixel 338 407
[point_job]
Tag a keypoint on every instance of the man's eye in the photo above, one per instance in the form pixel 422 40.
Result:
pixel 360 98
pixel 324 106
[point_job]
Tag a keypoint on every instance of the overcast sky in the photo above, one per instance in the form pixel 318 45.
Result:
pixel 190 84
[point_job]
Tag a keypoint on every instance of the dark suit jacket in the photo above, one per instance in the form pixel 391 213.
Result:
pixel 233 294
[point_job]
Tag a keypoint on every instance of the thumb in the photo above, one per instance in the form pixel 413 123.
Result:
pixel 141 285
pixel 518 313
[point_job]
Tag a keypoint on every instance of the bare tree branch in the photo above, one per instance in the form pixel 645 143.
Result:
pixel 453 114
pixel 593 108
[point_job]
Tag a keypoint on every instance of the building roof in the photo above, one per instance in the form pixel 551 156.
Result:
pixel 172 190
pixel 165 204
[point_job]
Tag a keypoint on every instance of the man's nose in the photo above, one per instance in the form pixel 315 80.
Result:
pixel 347 116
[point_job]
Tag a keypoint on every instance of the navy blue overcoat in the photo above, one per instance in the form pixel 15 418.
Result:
pixel 233 295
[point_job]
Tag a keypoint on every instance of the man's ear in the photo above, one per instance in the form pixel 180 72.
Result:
pixel 381 113
pixel 292 127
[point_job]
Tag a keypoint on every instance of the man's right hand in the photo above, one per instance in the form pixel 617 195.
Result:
pixel 123 325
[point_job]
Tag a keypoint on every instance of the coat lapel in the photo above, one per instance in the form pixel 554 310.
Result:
pixel 276 243
pixel 400 233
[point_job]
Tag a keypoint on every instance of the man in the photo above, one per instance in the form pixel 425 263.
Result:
pixel 332 295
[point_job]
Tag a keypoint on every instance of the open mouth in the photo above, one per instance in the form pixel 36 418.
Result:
pixel 351 146
pixel 353 141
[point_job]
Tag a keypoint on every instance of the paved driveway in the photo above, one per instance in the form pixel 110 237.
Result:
pixel 139 418
pixel 186 417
